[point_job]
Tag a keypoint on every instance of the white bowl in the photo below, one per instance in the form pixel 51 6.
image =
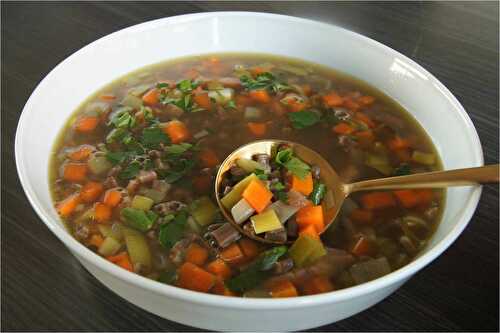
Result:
pixel 81 74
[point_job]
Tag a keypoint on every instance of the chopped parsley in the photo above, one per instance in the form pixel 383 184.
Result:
pixel 291 163
pixel 264 81
pixel 303 119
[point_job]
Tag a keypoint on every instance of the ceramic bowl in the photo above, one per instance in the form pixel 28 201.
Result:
pixel 112 56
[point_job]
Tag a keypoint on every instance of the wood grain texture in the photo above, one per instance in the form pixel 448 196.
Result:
pixel 45 288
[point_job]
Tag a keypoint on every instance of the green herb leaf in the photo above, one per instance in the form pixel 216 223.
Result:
pixel 278 186
pixel 178 148
pixel 138 219
pixel 231 105
pixel 162 85
pixel 186 85
pixel 116 135
pixel 303 119
pixel 318 193
pixel 179 168
pixel 403 170
pixel 130 171
pixel 271 256
pixel 153 136
pixel 173 231
pixel 293 164
pixel 265 81
pixel 117 157
pixel 168 277
pixel 260 174
pixel 282 196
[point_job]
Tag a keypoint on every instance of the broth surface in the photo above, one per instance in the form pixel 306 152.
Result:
pixel 132 174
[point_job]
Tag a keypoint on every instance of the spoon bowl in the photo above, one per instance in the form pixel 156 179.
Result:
pixel 337 190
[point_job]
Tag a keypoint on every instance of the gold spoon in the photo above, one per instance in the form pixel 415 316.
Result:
pixel 337 191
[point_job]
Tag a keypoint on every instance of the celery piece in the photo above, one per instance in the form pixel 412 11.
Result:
pixel 266 221
pixel 305 250
pixel 423 158
pixel 142 203
pixel 138 219
pixel 230 199
pixel 109 246
pixel 282 210
pixel 249 165
pixel 98 165
pixel 242 211
pixel 132 101
pixel 137 247
pixel 221 96
pixel 192 225
pixel 104 229
pixel 379 163
pixel 203 211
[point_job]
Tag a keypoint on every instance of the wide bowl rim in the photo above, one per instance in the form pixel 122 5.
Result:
pixel 248 303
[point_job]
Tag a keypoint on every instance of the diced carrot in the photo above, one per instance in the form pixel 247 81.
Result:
pixel 96 240
pixel 364 119
pixel 366 100
pixel 107 97
pixel 195 278
pixel 257 70
pixel 343 128
pixel 242 101
pixel 112 197
pixel 403 154
pixel 75 172
pixel 203 100
pixel 309 230
pixel 257 129
pixel 361 215
pixel 333 99
pixel 257 195
pixel 306 88
pixel 304 186
pixel 398 143
pixel 86 124
pixel 232 254
pixel 311 215
pixel 295 105
pixel 91 191
pixel 151 97
pixel 220 288
pixel 208 158
pixel 351 105
pixel 177 131
pixel 102 212
pixel 362 247
pixel 121 259
pixel 220 269
pixel 202 183
pixel 365 138
pixel 425 196
pixel 196 254
pixel 378 200
pixel 278 108
pixel 66 207
pixel 317 285
pixel 407 198
pixel 260 96
pixel 283 288
pixel 250 248
pixel 81 153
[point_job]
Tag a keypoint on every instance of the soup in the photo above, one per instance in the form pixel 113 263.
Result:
pixel 132 176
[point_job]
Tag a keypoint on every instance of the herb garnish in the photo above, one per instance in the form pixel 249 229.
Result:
pixel 302 119
pixel 265 81
pixel 293 164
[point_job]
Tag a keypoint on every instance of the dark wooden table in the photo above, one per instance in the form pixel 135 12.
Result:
pixel 45 288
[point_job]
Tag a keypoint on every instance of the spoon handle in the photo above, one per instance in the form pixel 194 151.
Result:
pixel 436 179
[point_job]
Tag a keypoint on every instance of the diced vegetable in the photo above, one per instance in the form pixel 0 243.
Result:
pixel 196 254
pixel 96 240
pixel 257 195
pixel 318 193
pixel 252 113
pixel 142 203
pixel 407 198
pixel 137 247
pixel 282 289
pixel 203 100
pixel 282 210
pixel 362 247
pixel 309 230
pixel 102 212
pixel 311 215
pixel 333 99
pixel 99 164
pixel 203 211
pixel 81 153
pixel 122 259
pixel 232 254
pixel 293 164
pixel 249 165
pixel 317 285
pixel 109 247
pixel 423 158
pixel 177 131
pixel 221 96
pixel 378 200
pixel 75 172
pixel 220 288
pixel 379 163
pixel 132 101
pixel 304 185
pixel 193 226
pixel 249 247
pixel 260 96
pixel 91 191
pixel 152 97
pixel 220 269
pixel 66 207
pixel 86 124
pixel 242 211
pixel 138 218
pixel 266 221
pixel 257 129
pixel 168 277
pixel 306 250
pixel 398 143
pixel 112 197
pixel 343 128
pixel 194 278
